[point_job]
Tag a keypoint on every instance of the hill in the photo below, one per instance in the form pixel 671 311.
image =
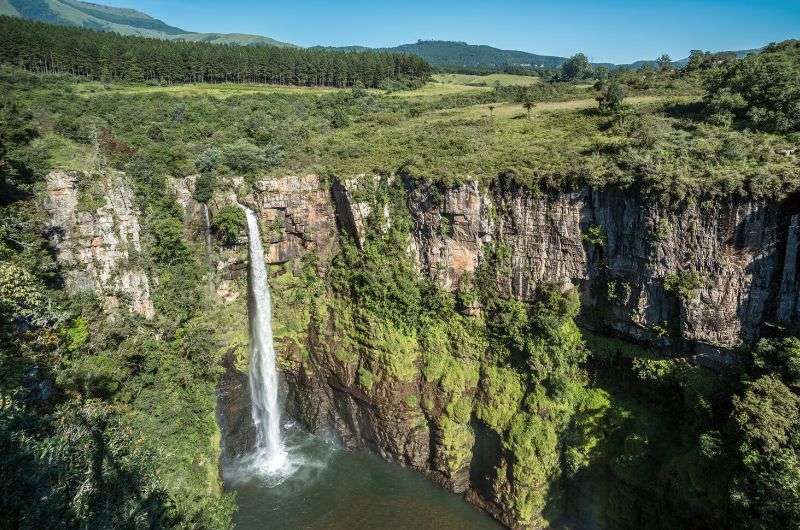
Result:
pixel 453 54
pixel 119 20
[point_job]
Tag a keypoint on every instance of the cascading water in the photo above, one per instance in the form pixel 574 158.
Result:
pixel 207 228
pixel 270 456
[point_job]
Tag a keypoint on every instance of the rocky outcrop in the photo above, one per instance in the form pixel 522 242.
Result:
pixel 297 217
pixel 94 231
pixel 740 254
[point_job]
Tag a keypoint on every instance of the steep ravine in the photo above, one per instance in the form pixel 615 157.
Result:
pixel 695 280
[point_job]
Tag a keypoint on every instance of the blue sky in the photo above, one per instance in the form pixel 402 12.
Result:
pixel 612 31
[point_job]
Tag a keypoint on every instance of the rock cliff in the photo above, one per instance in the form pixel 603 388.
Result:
pixel 94 231
pixel 741 256
pixel 696 280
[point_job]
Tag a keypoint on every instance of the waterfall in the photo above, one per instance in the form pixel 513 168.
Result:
pixel 208 228
pixel 270 455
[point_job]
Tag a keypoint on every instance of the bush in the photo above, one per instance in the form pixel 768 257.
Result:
pixel 246 157
pixel 209 160
pixel 612 93
pixel 169 245
pixel 339 119
pixel 683 284
pixel 762 88
pixel 204 187
pixel 227 223
pixel 595 235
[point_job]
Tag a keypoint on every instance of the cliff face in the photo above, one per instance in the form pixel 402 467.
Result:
pixel 697 280
pixel 741 257
pixel 94 231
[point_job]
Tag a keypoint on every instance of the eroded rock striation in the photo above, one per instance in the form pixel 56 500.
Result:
pixel 740 255
pixel 94 230
pixel 697 279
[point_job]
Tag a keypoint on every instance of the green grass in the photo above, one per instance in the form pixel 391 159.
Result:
pixel 487 80
pixel 441 131
pixel 66 154
pixel 439 89
pixel 223 90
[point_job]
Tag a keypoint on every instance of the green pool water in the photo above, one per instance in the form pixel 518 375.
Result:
pixel 336 489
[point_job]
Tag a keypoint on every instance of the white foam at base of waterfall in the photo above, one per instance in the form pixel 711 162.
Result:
pixel 269 459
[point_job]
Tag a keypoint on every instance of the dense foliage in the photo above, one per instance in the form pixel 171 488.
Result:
pixel 763 88
pixel 105 420
pixel 107 56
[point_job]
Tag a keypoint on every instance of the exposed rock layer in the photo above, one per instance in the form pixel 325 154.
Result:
pixel 97 240
pixel 617 247
pixel 742 253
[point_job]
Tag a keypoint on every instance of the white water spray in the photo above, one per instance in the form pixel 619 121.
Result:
pixel 270 456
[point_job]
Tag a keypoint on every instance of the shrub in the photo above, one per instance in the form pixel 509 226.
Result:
pixel 204 187
pixel 762 88
pixel 209 160
pixel 246 157
pixel 501 397
pixel 339 119
pixel 169 245
pixel 227 223
pixel 595 235
pixel 683 284
pixel 612 93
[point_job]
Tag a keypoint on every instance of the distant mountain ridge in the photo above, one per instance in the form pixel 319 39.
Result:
pixel 462 55
pixel 455 54
pixel 119 20
pixel 680 63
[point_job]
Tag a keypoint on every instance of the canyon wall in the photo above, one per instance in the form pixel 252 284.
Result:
pixel 93 227
pixel 741 256
pixel 696 280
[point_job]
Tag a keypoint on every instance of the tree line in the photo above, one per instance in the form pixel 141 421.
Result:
pixel 47 48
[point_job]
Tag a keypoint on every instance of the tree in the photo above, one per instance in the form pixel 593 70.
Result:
pixel 528 104
pixel 664 63
pixel 130 67
pixel 696 58
pixel 611 96
pixel 107 56
pixel 227 224
pixel 762 88
pixel 767 487
pixel 576 67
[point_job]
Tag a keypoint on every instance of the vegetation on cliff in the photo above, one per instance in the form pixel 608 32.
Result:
pixel 105 420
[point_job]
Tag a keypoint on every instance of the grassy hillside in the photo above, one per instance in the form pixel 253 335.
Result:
pixel 119 20
pixel 489 80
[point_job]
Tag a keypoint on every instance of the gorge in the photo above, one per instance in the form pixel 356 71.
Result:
pixel 395 300
pixel 430 402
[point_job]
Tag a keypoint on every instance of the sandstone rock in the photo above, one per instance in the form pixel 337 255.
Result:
pixel 735 247
pixel 297 217
pixel 98 248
